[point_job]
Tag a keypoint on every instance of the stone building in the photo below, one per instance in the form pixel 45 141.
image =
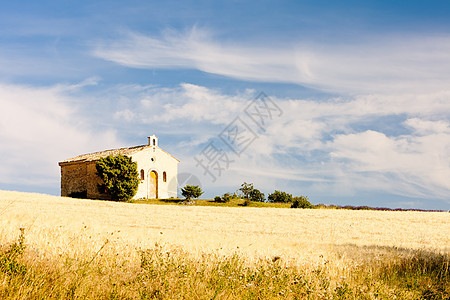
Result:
pixel 157 172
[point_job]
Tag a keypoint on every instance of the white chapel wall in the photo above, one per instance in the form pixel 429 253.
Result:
pixel 162 162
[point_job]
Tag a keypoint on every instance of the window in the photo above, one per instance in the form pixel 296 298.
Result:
pixel 164 176
pixel 142 174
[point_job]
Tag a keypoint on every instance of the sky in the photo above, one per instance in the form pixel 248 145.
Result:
pixel 346 102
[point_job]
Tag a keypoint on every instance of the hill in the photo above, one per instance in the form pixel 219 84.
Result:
pixel 51 220
pixel 84 230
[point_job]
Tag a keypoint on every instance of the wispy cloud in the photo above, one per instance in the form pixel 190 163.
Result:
pixel 376 64
pixel 197 49
pixel 38 128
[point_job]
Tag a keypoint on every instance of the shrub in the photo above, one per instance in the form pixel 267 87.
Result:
pixel 248 192
pixel 246 189
pixel 225 198
pixel 247 202
pixel 119 175
pixel 279 196
pixel 10 260
pixel 191 191
pixel 256 195
pixel 301 202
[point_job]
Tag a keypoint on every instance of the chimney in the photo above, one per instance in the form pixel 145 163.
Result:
pixel 153 140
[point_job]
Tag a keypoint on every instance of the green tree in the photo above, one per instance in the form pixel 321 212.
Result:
pixel 119 175
pixel 191 191
pixel 256 195
pixel 301 202
pixel 246 189
pixel 279 196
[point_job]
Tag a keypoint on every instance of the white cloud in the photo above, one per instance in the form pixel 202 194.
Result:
pixel 40 127
pixel 196 49
pixel 426 127
pixel 408 165
pixel 383 64
pixel 321 142
pixel 188 102
pixel 126 115
pixel 202 104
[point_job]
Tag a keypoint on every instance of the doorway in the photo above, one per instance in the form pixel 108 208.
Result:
pixel 153 185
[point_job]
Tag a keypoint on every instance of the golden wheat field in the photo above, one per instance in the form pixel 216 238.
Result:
pixel 55 225
pixel 63 248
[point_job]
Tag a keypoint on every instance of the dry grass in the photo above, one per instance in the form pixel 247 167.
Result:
pixel 83 248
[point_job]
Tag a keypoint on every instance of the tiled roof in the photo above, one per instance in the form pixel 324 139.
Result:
pixel 97 155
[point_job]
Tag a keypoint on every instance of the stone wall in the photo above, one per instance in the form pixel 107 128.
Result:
pixel 73 179
pixel 93 181
pixel 81 179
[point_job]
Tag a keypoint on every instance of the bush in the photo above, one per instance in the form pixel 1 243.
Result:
pixel 222 199
pixel 279 196
pixel 246 189
pixel 248 192
pixel 10 260
pixel 247 202
pixel 119 175
pixel 191 191
pixel 256 195
pixel 225 198
pixel 301 202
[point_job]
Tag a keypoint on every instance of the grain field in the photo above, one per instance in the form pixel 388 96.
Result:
pixel 57 227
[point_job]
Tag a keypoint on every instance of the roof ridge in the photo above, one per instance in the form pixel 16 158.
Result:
pixel 123 148
pixel 98 154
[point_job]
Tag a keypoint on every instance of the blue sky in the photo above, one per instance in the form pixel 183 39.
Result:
pixel 362 89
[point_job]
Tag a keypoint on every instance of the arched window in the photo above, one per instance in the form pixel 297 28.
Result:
pixel 142 174
pixel 164 176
